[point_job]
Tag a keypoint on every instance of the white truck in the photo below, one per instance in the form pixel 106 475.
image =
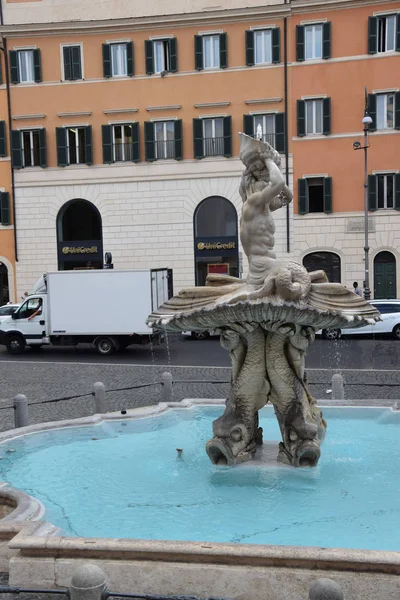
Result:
pixel 105 308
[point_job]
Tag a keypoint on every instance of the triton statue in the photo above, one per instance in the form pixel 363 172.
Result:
pixel 266 322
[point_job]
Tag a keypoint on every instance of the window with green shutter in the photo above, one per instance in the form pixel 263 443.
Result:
pixel 315 195
pixel 42 148
pixel 302 196
pixel 72 63
pixel 372 35
pixel 326 40
pixel 149 141
pixel 3 141
pixel 14 75
pixel 178 139
pixel 33 147
pixel 372 192
pixel 107 140
pixel 223 50
pixel 228 136
pixel 280 134
pixel 62 146
pixel 248 125
pixel 301 118
pixel 106 52
pixel 372 111
pixel 300 50
pixel 25 66
pixel 161 56
pixel 326 116
pixel 250 58
pixel 397 191
pixel 88 144
pixel 16 150
pixel 130 62
pixel 37 65
pixel 327 195
pixel 198 145
pixel 149 54
pixel 276 45
pixel 198 53
pixel 121 143
pixel 5 208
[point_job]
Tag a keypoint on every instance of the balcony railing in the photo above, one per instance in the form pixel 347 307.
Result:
pixel 122 151
pixel 267 137
pixel 213 146
pixel 165 148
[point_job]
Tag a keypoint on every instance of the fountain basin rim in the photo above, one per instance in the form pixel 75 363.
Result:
pixel 144 412
pixel 30 541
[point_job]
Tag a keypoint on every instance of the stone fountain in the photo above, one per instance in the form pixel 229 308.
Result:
pixel 267 323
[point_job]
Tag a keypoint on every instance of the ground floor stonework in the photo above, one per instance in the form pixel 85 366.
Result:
pixel 183 216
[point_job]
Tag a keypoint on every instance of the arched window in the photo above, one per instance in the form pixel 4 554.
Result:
pixel 215 224
pixel 80 236
pixel 385 285
pixel 215 217
pixel 325 261
pixel 4 289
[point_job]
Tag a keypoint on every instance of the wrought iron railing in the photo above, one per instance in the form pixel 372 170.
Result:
pixel 267 137
pixel 122 151
pixel 213 146
pixel 165 148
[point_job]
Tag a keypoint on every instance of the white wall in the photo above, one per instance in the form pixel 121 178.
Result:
pixel 335 233
pixel 147 212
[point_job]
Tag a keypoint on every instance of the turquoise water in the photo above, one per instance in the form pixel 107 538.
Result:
pixel 124 479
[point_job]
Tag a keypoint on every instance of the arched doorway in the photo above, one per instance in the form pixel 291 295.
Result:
pixel 385 275
pixel 215 225
pixel 4 286
pixel 325 261
pixel 80 236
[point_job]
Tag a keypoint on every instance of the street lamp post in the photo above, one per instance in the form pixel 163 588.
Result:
pixel 367 120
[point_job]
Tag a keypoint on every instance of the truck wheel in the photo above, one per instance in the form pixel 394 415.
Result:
pixel 15 344
pixel 105 346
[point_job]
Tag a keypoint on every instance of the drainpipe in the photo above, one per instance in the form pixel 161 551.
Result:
pixel 6 68
pixel 285 67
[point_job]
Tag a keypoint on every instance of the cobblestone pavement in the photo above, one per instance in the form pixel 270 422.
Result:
pixel 43 382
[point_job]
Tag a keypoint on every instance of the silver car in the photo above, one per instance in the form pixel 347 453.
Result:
pixel 390 324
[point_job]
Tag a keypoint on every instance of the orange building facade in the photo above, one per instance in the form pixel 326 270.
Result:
pixel 121 121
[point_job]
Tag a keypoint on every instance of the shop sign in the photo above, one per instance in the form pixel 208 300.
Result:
pixel 224 246
pixel 86 250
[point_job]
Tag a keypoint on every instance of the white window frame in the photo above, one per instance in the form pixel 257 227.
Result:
pixel 379 40
pixel 313 28
pixel 31 132
pixel 164 140
pixel 314 117
pixel 19 51
pixel 76 144
pixel 215 39
pixel 385 111
pixel 265 116
pixel 264 33
pixel 122 125
pixel 62 46
pixel 166 59
pixel 125 44
pixel 385 198
pixel 213 136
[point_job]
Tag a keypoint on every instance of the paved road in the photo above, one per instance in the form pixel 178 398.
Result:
pixel 200 369
pixel 350 353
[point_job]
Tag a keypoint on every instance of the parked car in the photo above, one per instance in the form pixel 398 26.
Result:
pixel 199 335
pixel 8 309
pixel 390 324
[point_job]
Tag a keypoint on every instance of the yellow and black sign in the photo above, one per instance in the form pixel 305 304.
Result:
pixel 224 246
pixel 79 250
pixel 216 246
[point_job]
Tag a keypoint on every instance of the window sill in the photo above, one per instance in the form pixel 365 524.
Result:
pixel 5 227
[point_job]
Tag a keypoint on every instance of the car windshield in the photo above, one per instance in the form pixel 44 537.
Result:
pixel 7 310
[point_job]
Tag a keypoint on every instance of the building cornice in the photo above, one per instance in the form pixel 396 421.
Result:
pixel 200 19
pixel 307 6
